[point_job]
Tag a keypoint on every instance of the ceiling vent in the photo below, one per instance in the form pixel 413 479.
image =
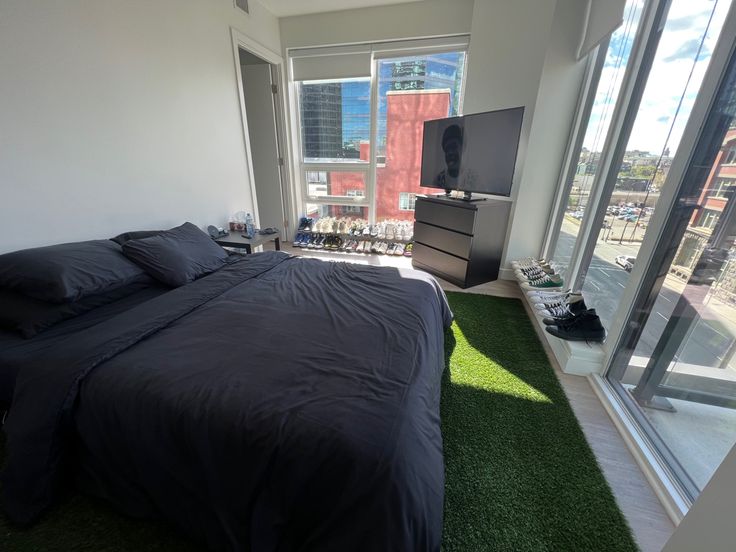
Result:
pixel 242 4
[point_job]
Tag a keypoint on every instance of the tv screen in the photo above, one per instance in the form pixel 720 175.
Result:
pixel 472 153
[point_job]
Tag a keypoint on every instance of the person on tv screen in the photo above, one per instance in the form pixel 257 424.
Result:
pixel 454 174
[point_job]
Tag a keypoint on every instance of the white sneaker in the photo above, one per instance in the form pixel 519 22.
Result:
pixel 566 299
pixel 531 274
pixel 526 262
pixel 556 310
pixel 541 295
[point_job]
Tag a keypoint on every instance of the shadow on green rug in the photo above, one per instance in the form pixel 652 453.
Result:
pixel 520 475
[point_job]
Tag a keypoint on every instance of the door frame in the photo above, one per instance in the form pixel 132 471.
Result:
pixel 242 41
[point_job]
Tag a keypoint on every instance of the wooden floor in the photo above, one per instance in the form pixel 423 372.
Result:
pixel 646 516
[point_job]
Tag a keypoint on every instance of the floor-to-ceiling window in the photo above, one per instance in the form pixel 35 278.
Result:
pixel 648 228
pixel 379 94
pixel 678 368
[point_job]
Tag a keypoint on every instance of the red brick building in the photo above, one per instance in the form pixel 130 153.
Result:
pixel 397 176
pixel 721 182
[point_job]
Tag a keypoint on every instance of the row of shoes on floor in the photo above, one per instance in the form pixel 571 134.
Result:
pixel 564 312
pixel 391 230
pixel 336 243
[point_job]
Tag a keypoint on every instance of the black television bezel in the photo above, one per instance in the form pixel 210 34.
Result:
pixel 465 115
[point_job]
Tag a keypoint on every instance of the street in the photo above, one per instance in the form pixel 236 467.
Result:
pixel 710 340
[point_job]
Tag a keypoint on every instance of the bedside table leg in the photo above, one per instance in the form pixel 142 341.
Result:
pixel 247 248
pixel 277 243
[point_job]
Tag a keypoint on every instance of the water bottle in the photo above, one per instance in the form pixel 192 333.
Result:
pixel 250 229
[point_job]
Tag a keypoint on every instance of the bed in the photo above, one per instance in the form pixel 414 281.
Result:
pixel 276 403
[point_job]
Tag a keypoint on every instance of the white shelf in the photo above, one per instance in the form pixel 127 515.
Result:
pixel 580 358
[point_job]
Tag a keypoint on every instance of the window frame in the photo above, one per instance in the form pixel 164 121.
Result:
pixel 379 51
pixel 411 200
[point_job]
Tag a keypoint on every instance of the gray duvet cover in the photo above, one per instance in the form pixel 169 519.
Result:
pixel 279 403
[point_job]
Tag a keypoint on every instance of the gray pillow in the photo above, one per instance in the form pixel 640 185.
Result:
pixel 177 256
pixel 120 239
pixel 30 316
pixel 69 271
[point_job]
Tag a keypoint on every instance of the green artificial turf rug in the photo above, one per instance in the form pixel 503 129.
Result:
pixel 520 475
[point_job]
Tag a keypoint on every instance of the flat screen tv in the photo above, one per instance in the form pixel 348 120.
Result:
pixel 472 153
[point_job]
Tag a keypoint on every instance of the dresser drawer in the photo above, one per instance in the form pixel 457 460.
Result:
pixel 446 266
pixel 445 240
pixel 446 216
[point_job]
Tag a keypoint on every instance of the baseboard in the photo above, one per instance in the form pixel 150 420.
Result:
pixel 668 493
pixel 506 274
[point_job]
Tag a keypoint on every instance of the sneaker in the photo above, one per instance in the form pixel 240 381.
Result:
pixel 399 249
pixel 536 269
pixel 532 274
pixel 585 326
pixel 408 249
pixel 526 262
pixel 548 295
pixel 554 302
pixel 544 282
pixel 564 312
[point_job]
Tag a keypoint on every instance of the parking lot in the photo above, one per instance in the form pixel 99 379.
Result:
pixel 711 340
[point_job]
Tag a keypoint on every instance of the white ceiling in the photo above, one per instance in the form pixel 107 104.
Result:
pixel 285 8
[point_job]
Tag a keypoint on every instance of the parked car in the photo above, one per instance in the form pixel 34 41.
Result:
pixel 625 262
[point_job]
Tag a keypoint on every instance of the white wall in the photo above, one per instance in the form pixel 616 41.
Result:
pixel 522 52
pixel 709 525
pixel 118 116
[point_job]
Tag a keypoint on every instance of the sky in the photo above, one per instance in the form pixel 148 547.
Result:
pixel 679 49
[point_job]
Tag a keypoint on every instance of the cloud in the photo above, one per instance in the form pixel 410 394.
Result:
pixel 667 81
pixel 688 50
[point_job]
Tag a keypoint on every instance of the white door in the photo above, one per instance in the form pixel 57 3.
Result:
pixel 259 109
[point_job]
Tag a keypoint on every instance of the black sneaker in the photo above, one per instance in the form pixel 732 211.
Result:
pixel 585 326
pixel 305 224
pixel 565 312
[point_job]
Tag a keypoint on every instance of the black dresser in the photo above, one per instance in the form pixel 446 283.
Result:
pixel 460 241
